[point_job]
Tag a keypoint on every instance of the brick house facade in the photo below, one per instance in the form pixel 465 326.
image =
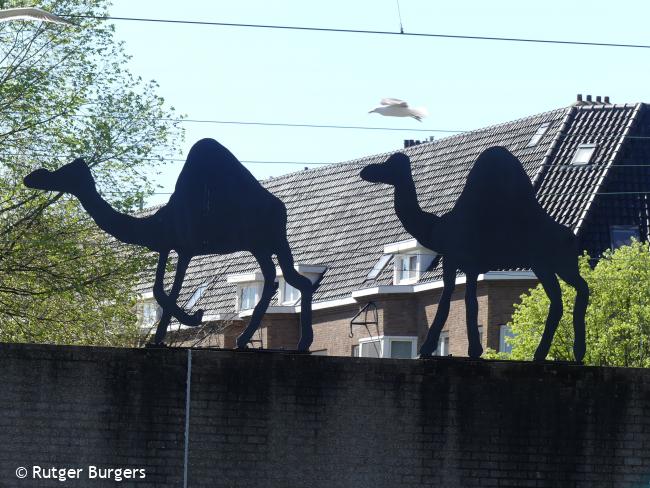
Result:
pixel 589 164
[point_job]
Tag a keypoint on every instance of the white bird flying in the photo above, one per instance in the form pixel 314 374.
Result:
pixel 393 107
pixel 30 13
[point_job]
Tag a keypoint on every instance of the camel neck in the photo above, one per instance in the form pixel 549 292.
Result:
pixel 416 221
pixel 131 230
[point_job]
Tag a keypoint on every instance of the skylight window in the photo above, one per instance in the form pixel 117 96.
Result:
pixel 379 267
pixel 584 154
pixel 196 295
pixel 541 130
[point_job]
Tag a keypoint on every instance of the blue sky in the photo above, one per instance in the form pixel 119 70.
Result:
pixel 240 74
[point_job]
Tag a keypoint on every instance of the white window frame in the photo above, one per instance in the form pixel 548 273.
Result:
pixel 539 133
pixel 406 250
pixel 256 286
pixel 582 149
pixel 505 331
pixel 283 298
pixel 379 267
pixel 308 271
pixel 385 343
pixel 148 302
pixel 370 340
pixel 400 259
pixel 197 295
pixel 412 340
pixel 441 340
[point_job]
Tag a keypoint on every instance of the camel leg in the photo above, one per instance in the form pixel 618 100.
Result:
pixel 474 349
pixel 270 286
pixel 168 303
pixel 552 288
pixel 572 276
pixel 449 280
pixel 306 288
pixel 181 268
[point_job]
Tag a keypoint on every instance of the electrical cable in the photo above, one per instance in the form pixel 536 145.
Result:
pixel 364 31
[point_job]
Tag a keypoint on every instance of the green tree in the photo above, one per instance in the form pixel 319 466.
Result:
pixel 65 92
pixel 617 320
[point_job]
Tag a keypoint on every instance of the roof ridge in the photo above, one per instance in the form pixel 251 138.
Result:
pixel 424 143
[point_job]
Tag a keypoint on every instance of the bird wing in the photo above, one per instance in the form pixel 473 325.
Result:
pixel 30 13
pixel 394 101
pixel 420 111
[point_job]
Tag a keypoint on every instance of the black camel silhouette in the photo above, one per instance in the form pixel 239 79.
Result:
pixel 217 207
pixel 496 223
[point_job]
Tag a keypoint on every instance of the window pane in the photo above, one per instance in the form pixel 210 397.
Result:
pixel 584 154
pixel 413 264
pixel 248 295
pixel 151 313
pixel 400 349
pixel 198 293
pixel 408 267
pixel 621 235
pixel 377 268
pixel 370 349
pixel 290 294
pixel 443 345
pixel 541 130
pixel 505 331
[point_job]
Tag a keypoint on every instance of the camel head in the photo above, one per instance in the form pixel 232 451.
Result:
pixel 391 172
pixel 68 179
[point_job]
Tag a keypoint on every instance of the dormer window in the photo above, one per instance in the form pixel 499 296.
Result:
pixel 249 289
pixel 407 268
pixel 290 295
pixel 584 154
pixel 411 259
pixel 150 313
pixel 248 297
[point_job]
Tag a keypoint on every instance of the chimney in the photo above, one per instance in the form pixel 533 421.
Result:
pixel 579 97
pixel 607 99
pixel 411 142
pixel 589 98
pixel 598 100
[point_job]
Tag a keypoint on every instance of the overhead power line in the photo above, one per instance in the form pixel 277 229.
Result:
pixel 279 124
pixel 367 31
pixel 488 130
pixel 568 166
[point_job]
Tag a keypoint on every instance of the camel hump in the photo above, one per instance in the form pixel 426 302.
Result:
pixel 497 175
pixel 210 163
pixel 498 167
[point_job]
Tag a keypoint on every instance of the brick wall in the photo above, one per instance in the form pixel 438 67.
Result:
pixel 398 315
pixel 279 420
pixel 501 297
